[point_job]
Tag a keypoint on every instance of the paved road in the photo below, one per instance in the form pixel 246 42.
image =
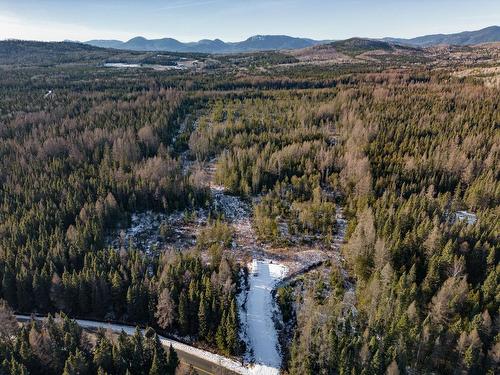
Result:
pixel 205 363
pixel 202 366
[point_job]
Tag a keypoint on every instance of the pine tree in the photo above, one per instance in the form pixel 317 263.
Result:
pixel 138 359
pixel 173 360
pixel 57 293
pixel 25 352
pixel 193 306
pixel 132 302
pixel 122 353
pixel 157 365
pixel 202 319
pixel 76 364
pixel 24 285
pixel 220 336
pixel 9 286
pixel 117 293
pixel 17 368
pixel 183 313
pixel 84 297
pixel 103 354
pixel 41 285
pixel 232 325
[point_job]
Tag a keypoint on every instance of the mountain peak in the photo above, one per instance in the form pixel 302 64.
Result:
pixel 137 39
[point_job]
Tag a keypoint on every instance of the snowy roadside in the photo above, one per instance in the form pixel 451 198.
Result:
pixel 129 330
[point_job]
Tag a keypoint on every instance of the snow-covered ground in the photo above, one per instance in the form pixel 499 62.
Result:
pixel 258 316
pixel 257 306
pixel 121 65
pixel 143 232
pixel 234 209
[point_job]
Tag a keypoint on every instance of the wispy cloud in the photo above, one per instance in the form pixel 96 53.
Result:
pixel 189 4
pixel 13 26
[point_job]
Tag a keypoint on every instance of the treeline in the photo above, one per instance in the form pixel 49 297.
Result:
pixel 58 345
pixel 426 281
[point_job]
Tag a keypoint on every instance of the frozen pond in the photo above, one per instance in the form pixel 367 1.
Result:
pixel 258 316
pixel 121 65
pixel 144 66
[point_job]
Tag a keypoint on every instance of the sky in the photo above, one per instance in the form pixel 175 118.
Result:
pixel 235 20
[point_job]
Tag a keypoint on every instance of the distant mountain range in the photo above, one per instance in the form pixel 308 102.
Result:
pixel 254 43
pixel 466 38
pixel 284 42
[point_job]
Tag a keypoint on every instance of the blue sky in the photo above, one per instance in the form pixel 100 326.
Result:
pixel 233 20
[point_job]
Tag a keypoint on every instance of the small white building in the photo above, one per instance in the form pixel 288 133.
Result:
pixel 469 217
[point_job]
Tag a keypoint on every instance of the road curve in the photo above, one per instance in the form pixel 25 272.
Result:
pixel 204 362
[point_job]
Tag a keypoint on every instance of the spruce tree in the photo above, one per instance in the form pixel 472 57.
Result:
pixel 157 365
pixel 76 364
pixel 173 360
pixel 103 354
pixel 202 319
pixel 232 340
pixel 220 336
pixel 183 313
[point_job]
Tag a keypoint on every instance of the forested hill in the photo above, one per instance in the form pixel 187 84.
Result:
pixel 466 38
pixel 22 53
pixel 19 51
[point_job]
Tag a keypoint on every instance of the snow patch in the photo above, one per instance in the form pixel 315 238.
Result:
pixel 143 232
pixel 258 316
pixel 234 209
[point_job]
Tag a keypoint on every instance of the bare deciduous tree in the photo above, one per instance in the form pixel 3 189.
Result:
pixel 166 310
pixel 8 322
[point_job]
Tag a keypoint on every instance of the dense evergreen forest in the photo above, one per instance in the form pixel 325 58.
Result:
pixel 76 161
pixel 426 281
pixel 403 150
pixel 404 158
